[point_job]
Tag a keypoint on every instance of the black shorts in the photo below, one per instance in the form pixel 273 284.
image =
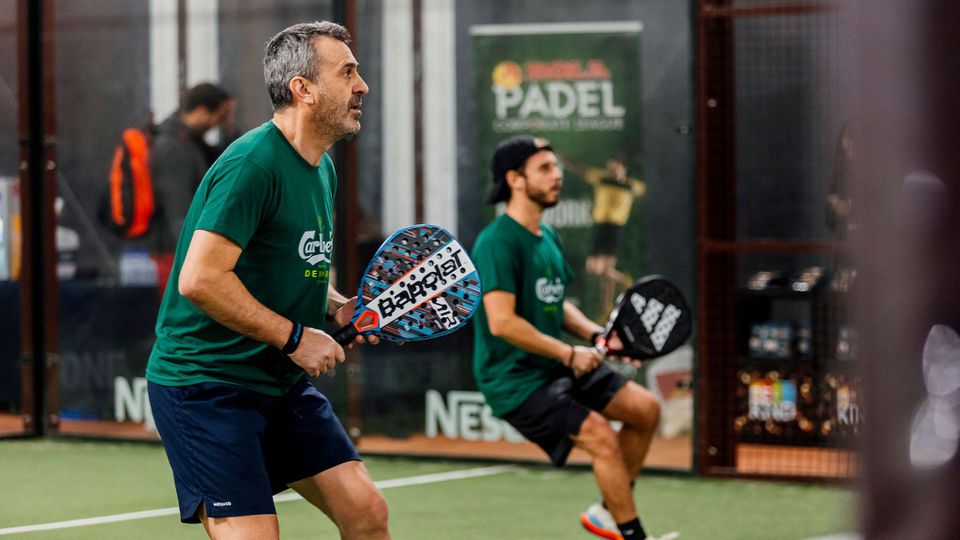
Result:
pixel 554 412
pixel 607 238
pixel 231 449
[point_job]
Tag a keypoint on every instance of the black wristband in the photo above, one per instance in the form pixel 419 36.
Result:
pixel 573 350
pixel 595 336
pixel 294 340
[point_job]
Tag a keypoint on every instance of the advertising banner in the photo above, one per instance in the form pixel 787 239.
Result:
pixel 578 86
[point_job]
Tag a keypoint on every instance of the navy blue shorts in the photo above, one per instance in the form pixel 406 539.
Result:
pixel 554 412
pixel 231 449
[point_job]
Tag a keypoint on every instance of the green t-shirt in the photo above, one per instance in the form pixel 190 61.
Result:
pixel 510 258
pixel 265 197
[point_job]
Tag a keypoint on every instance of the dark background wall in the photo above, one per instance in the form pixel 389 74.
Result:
pixel 102 75
pixel 9 314
pixel 789 91
pixel 8 88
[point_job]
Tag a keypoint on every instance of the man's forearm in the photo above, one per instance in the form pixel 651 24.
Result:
pixel 226 300
pixel 208 280
pixel 520 333
pixel 335 300
pixel 577 324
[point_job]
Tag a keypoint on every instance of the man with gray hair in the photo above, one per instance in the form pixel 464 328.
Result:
pixel 238 335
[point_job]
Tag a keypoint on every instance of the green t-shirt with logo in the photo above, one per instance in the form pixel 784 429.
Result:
pixel 510 258
pixel 262 195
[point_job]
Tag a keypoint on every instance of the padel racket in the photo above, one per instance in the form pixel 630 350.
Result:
pixel 651 319
pixel 421 284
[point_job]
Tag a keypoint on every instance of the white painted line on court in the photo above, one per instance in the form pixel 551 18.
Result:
pixel 90 521
pixel 383 484
pixel 842 536
pixel 423 479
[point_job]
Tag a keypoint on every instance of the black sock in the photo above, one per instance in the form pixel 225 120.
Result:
pixel 632 530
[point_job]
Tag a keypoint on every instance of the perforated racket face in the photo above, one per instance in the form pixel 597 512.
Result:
pixel 651 318
pixel 421 284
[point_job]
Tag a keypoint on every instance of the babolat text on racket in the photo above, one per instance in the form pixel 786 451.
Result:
pixel 421 284
pixel 651 319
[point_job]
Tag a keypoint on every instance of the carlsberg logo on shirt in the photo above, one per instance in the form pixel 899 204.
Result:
pixel 550 291
pixel 316 248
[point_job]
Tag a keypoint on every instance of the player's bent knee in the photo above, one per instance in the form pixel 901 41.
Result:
pixel 650 414
pixel 378 512
pixel 369 518
pixel 597 437
pixel 644 411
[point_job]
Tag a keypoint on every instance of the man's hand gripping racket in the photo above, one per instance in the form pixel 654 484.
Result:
pixel 651 319
pixel 421 284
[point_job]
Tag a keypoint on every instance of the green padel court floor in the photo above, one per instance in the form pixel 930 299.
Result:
pixel 56 489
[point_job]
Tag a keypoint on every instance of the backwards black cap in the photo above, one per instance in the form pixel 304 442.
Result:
pixel 511 155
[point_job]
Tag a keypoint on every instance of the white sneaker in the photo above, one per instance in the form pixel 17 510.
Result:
pixel 598 521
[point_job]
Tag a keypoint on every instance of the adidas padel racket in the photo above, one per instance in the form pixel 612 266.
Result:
pixel 651 319
pixel 421 284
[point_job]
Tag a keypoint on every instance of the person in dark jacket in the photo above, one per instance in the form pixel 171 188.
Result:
pixel 180 156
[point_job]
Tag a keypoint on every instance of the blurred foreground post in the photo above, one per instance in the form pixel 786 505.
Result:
pixel 909 260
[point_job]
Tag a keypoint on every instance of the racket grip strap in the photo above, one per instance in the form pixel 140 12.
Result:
pixel 345 335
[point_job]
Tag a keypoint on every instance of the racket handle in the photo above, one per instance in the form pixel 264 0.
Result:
pixel 345 335
pixel 601 350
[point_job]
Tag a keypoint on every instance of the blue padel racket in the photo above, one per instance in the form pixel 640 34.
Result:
pixel 651 319
pixel 421 284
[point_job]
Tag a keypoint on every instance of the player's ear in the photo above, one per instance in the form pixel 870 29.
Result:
pixel 513 178
pixel 301 89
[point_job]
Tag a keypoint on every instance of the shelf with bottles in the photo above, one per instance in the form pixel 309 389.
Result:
pixel 799 314
pixel 780 340
pixel 796 382
pixel 779 325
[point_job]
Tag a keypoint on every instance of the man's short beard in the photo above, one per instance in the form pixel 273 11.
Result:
pixel 541 199
pixel 327 122
pixel 336 130
pixel 548 204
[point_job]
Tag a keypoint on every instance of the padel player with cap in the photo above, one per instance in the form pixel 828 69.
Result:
pixel 524 369
pixel 237 332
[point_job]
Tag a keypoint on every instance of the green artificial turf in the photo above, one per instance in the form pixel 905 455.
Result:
pixel 54 480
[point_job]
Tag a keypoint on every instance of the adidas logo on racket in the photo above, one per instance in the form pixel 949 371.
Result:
pixel 651 319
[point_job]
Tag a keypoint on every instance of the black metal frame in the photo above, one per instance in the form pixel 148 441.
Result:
pixel 38 170
pixel 718 245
